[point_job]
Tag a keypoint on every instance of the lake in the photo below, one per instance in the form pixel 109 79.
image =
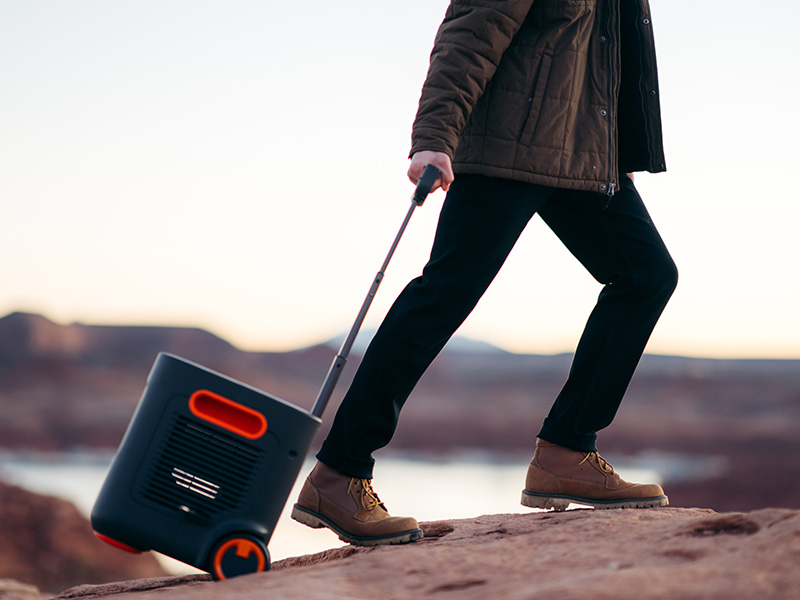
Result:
pixel 418 486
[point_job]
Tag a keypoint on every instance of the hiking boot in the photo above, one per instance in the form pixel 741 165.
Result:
pixel 350 508
pixel 558 476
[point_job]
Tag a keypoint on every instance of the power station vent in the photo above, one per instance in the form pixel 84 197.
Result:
pixel 195 484
pixel 201 471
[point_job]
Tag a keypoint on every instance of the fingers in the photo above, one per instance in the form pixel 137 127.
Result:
pixel 440 160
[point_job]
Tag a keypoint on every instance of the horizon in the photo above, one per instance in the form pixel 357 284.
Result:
pixel 458 343
pixel 240 167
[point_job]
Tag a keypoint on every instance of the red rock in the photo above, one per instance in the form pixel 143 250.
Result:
pixel 47 543
pixel 658 554
pixel 14 590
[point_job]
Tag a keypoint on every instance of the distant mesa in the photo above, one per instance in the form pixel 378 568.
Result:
pixel 458 344
pixel 26 336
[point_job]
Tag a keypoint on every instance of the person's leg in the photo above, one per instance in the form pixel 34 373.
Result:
pixel 619 245
pixel 480 222
pixel 617 242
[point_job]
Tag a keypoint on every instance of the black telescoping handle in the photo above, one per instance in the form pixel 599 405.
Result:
pixel 424 186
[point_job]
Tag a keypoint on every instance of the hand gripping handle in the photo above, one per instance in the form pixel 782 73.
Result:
pixel 425 184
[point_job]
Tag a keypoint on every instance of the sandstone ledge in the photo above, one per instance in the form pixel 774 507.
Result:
pixel 46 544
pixel 663 554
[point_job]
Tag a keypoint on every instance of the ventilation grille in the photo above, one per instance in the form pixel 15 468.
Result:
pixel 195 484
pixel 200 472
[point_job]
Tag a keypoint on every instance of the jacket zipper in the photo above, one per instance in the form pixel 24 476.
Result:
pixel 612 188
pixel 613 34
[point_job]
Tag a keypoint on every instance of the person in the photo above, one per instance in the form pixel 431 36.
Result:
pixel 529 106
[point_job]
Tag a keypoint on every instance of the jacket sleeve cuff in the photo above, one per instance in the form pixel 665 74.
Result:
pixel 435 140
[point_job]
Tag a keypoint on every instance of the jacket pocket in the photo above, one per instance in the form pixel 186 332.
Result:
pixel 536 99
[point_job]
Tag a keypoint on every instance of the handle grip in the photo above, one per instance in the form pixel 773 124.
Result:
pixel 425 184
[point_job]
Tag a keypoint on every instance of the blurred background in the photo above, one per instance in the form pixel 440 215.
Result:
pixel 222 180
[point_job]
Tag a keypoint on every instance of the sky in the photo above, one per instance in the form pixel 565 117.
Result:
pixel 240 166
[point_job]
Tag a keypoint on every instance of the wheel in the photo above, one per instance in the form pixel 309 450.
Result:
pixel 238 554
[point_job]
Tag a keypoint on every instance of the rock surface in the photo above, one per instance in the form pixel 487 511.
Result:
pixel 14 590
pixel 45 542
pixel 659 554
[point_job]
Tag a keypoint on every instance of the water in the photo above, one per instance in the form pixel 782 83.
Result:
pixel 458 486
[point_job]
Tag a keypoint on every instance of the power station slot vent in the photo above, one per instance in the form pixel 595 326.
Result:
pixel 200 471
pixel 195 483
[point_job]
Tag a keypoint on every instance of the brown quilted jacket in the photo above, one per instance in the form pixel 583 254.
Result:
pixel 561 93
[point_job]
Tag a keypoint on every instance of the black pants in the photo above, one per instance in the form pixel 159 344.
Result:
pixel 480 222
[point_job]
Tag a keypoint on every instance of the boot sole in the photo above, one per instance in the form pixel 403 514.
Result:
pixel 317 521
pixel 560 503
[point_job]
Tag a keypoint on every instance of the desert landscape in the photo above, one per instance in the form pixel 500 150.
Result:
pixel 730 426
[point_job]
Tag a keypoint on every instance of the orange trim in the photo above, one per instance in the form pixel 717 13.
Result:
pixel 117 544
pixel 228 414
pixel 244 548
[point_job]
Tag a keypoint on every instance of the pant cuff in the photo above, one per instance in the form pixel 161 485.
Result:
pixel 556 434
pixel 345 464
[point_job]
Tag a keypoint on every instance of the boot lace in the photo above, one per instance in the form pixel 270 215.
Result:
pixel 369 499
pixel 601 462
